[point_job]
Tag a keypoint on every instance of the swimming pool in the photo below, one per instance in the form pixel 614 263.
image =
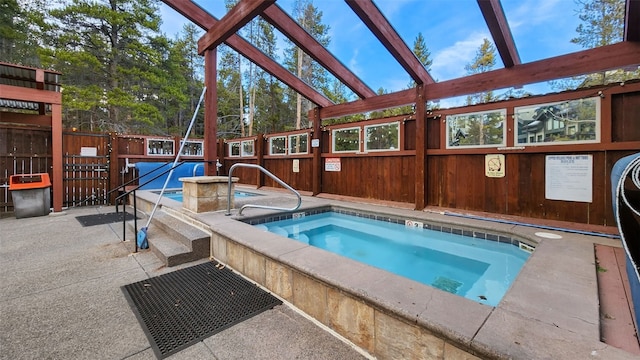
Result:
pixel 177 194
pixel 479 266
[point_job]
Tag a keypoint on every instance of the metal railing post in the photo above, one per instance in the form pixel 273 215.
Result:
pixel 256 206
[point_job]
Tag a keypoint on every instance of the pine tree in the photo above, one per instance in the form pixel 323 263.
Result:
pixel 108 51
pixel 262 87
pixel 229 89
pixel 484 61
pixel 301 64
pixel 422 53
pixel 602 24
pixel 269 99
pixel 181 81
pixel 19 31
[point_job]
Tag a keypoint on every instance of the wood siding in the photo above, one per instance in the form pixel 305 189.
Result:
pixel 388 178
pixel 454 178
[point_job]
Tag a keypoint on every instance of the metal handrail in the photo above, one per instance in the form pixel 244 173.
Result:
pixel 122 199
pixel 256 206
pixel 117 188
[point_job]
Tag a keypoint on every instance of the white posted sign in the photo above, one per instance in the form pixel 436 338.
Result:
pixel 569 177
pixel 88 151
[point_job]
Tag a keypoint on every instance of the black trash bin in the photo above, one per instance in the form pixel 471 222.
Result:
pixel 31 195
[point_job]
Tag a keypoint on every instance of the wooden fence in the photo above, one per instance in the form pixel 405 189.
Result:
pixel 455 176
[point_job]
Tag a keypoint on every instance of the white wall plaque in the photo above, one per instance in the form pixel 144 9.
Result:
pixel 88 151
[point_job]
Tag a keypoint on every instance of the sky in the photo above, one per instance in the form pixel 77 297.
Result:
pixel 453 32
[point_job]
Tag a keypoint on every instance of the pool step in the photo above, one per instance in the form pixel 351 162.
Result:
pixel 174 241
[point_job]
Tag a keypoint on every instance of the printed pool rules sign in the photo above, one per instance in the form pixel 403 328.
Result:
pixel 569 177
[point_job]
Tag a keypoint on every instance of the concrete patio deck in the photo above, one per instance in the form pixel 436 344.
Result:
pixel 60 298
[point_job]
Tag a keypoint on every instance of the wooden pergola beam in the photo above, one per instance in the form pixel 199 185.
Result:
pixel 22 118
pixel 201 18
pixel 500 32
pixel 20 93
pixel 583 62
pixel 371 16
pixel 588 61
pixel 632 21
pixel 403 97
pixel 234 20
pixel 296 33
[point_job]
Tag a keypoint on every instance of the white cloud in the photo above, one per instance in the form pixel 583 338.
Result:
pixel 542 28
pixel 534 12
pixel 353 64
pixel 449 62
pixel 392 8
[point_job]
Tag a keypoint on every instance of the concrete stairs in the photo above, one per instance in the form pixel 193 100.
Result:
pixel 175 241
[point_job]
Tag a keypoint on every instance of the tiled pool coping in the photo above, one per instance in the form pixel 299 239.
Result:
pixel 550 312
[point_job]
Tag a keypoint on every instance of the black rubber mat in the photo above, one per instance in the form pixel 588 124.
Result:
pixel 180 308
pixel 99 219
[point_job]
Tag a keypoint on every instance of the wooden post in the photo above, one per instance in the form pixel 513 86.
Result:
pixel 56 146
pixel 210 112
pixel 221 155
pixel 316 185
pixel 421 149
pixel 259 149
pixel 114 166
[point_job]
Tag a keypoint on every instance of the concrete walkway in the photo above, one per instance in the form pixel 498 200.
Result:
pixel 60 298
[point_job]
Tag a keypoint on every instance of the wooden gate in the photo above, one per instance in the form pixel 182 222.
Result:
pixel 23 150
pixel 86 168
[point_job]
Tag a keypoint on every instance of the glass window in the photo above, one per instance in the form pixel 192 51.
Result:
pixel 278 145
pixel 383 137
pixel 247 148
pixel 192 148
pixel 234 148
pixel 298 144
pixel 481 129
pixel 567 122
pixel 160 147
pixel 346 140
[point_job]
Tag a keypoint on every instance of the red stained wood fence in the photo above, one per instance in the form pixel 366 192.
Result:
pixel 454 177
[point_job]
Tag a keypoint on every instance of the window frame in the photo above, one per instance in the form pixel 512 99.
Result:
pixel 242 148
pixel 333 140
pixel 366 136
pixel 289 144
pixel 284 147
pixel 200 148
pixel 454 117
pixel 149 141
pixel 231 146
pixel 570 125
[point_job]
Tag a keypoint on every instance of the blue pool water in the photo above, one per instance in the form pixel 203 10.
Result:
pixel 177 194
pixel 475 268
